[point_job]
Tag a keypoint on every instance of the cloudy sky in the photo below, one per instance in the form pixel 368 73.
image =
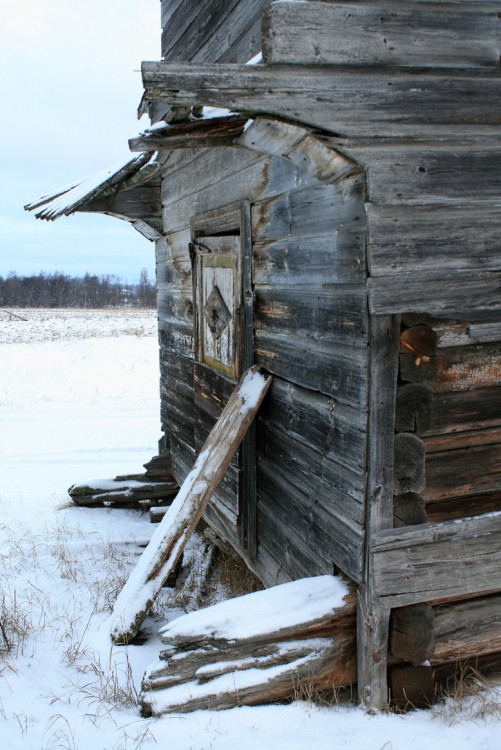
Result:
pixel 70 88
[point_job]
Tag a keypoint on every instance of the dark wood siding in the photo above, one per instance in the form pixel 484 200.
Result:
pixel 310 331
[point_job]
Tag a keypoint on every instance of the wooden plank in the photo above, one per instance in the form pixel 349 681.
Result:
pixel 335 370
pixel 221 131
pixel 158 560
pixel 422 239
pixel 354 103
pixel 439 560
pixel 388 34
pixel 465 294
pixel 372 614
pixel 337 314
pixel 421 173
pixel 311 211
pixel 332 258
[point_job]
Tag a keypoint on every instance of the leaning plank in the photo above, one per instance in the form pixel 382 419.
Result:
pixel 438 560
pixel 167 543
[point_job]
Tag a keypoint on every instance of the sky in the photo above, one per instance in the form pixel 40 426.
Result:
pixel 70 87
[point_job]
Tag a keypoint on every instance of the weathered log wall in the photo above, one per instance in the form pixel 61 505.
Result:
pixel 310 332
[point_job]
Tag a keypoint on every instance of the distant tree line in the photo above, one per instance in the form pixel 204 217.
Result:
pixel 59 290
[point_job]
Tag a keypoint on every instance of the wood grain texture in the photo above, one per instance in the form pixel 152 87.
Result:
pixel 372 614
pixel 435 561
pixel 368 103
pixel 421 239
pixel 384 34
pixel 461 294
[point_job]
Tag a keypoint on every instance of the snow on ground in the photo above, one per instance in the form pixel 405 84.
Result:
pixel 78 401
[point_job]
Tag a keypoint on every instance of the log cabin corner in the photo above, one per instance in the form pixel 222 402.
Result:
pixel 332 213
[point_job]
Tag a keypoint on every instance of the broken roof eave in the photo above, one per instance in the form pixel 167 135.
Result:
pixel 77 195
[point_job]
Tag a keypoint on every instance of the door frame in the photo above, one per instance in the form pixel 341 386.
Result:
pixel 228 220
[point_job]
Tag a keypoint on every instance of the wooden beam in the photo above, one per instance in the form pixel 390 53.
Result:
pixel 372 614
pixel 437 560
pixel 343 101
pixel 370 33
pixel 160 557
pixel 220 131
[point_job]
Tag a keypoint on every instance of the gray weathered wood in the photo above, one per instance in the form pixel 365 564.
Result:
pixel 373 33
pixel 469 629
pixel 464 293
pixel 408 510
pixel 409 463
pixel 417 239
pixel 436 561
pixel 372 614
pixel 160 557
pixel 371 103
pixel 414 408
pixel 412 637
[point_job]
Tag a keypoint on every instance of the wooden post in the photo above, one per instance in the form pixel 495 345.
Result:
pixel 372 616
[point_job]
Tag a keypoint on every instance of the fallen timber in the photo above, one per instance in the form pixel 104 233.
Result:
pixel 254 649
pixel 160 557
pixel 155 487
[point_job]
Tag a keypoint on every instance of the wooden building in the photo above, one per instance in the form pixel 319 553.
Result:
pixel 340 227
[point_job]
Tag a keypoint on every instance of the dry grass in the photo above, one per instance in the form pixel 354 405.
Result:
pixel 468 697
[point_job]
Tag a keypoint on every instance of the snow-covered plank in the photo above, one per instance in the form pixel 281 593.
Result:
pixel 169 539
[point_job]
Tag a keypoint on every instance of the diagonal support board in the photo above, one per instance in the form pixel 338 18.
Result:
pixel 160 556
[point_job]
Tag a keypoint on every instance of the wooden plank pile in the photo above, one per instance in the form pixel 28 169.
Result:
pixel 258 648
pixel 155 487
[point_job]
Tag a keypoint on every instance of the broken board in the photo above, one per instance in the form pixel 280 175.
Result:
pixel 160 557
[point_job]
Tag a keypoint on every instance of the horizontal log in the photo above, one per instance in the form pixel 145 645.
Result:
pixel 465 294
pixel 368 33
pixel 435 561
pixel 463 507
pixel 369 102
pixel 467 630
pixel 463 411
pixel 411 687
pixel 461 472
pixel 467 368
pixel 123 491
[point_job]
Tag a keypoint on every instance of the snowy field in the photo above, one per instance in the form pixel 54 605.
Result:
pixel 79 401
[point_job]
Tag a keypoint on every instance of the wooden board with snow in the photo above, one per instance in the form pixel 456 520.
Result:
pixel 159 558
pixel 255 648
